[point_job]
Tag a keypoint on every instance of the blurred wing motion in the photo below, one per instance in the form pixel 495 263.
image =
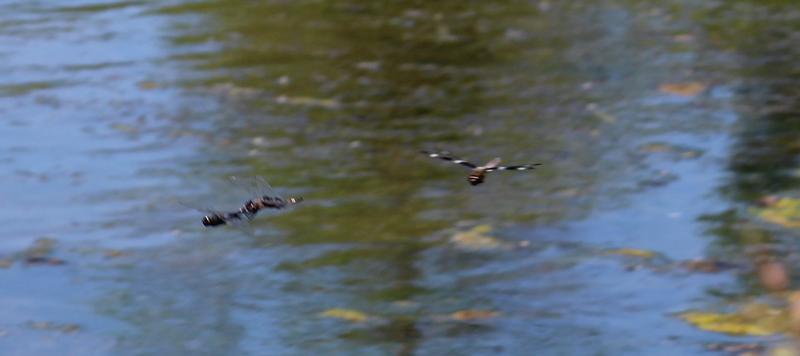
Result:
pixel 514 168
pixel 478 173
pixel 446 156
pixel 254 186
pixel 264 198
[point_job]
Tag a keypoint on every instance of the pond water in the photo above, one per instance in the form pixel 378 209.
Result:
pixel 660 126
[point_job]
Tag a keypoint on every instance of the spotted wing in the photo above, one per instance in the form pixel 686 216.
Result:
pixel 445 156
pixel 514 168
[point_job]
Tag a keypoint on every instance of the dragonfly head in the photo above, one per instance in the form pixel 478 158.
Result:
pixel 294 200
pixel 213 220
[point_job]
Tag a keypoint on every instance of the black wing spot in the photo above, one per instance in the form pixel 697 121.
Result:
pixel 444 156
pixel 514 168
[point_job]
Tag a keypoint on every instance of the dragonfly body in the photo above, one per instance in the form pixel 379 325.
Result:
pixel 216 219
pixel 268 202
pixel 250 208
pixel 478 173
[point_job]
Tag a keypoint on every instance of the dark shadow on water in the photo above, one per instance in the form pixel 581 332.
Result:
pixel 763 161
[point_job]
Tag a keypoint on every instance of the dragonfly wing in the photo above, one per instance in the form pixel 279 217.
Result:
pixel 189 205
pixel 446 156
pixel 492 164
pixel 514 168
pixel 242 224
pixel 255 186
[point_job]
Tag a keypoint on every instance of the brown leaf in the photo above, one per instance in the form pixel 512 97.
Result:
pixel 707 266
pixel 688 89
pixel 350 315
pixel 47 325
pixel 683 38
pixel 794 311
pixel 44 260
pixel 115 253
pixel 632 252
pixel 148 85
pixel 466 315
pixel 773 276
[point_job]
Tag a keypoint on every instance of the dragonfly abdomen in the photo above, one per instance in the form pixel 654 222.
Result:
pixel 476 177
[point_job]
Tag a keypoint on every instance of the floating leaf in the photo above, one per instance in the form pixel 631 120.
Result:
pixel 42 246
pixel 683 38
pixel 793 301
pixel 148 85
pixel 44 260
pixel 115 253
pixel 737 348
pixel 369 66
pixel 47 325
pixel 675 151
pixel 354 316
pixel 477 239
pixel 602 115
pixel 753 319
pixel 784 350
pixel 781 211
pixel 708 266
pixel 632 252
pixel 307 101
pixel 125 128
pixel 233 90
pixel 682 89
pixel 769 200
pixel 467 315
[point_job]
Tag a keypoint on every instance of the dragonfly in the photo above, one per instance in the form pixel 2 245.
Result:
pixel 266 199
pixel 478 173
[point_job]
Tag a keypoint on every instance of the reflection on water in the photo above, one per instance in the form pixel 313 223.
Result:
pixel 115 109
pixel 763 158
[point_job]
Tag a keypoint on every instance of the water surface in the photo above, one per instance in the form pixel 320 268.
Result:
pixel 114 111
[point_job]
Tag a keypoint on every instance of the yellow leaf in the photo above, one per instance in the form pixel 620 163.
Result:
pixel 784 350
pixel 682 89
pixel 753 319
pixel 124 128
pixel 784 211
pixel 476 239
pixel 148 85
pixel 481 229
pixel 466 315
pixel 345 314
pixel 633 252
pixel 115 253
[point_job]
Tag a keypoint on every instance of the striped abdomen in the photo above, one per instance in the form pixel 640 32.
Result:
pixel 476 177
pixel 278 203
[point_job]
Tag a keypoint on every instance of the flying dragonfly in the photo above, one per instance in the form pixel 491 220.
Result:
pixel 266 199
pixel 478 173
